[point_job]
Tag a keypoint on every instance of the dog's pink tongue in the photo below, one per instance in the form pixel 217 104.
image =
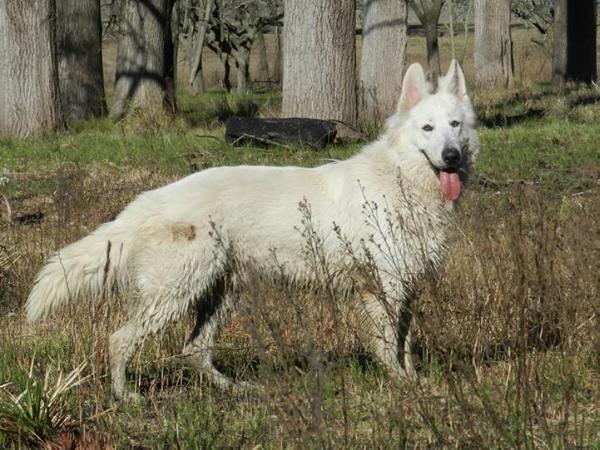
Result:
pixel 450 182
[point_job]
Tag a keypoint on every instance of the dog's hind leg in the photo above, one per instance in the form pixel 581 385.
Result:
pixel 150 318
pixel 122 344
pixel 211 314
pixel 168 282
pixel 153 315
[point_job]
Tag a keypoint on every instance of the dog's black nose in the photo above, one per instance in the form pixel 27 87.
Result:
pixel 451 156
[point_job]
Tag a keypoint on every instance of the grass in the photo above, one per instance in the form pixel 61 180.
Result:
pixel 507 340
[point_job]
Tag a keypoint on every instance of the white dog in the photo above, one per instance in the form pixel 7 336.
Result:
pixel 391 203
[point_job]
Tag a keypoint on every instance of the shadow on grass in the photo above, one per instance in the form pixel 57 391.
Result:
pixel 502 120
pixel 536 103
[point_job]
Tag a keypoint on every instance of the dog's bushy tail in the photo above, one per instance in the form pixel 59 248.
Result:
pixel 84 267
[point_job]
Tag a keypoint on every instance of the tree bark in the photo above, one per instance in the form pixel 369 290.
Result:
pixel 263 62
pixel 145 65
pixel 428 12
pixel 433 51
pixel 242 64
pixel 226 72
pixel 171 49
pixel 383 53
pixel 319 60
pixel 494 64
pixel 29 91
pixel 196 82
pixel 574 45
pixel 278 64
pixel 79 56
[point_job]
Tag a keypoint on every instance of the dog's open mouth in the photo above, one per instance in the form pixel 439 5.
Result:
pixel 449 181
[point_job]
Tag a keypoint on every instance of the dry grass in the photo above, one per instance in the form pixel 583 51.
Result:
pixel 507 340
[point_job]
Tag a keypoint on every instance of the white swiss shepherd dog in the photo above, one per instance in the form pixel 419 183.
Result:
pixel 392 203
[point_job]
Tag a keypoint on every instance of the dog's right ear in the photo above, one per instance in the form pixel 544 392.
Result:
pixel 414 87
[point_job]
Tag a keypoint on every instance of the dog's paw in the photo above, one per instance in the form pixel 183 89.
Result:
pixel 128 397
pixel 133 397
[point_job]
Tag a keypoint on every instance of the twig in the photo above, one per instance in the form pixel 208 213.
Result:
pixel 209 136
pixel 484 181
pixel 259 139
pixel 579 194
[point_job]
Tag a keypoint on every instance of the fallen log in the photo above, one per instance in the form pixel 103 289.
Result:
pixel 312 132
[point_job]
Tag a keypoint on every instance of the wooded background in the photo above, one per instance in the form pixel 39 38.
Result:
pixel 51 52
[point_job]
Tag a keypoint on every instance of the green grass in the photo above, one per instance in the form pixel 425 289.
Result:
pixel 506 341
pixel 553 151
pixel 193 141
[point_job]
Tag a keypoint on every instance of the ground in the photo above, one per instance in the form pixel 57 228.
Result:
pixel 507 340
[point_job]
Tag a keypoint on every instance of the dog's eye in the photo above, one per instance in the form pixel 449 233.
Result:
pixel 455 123
pixel 427 127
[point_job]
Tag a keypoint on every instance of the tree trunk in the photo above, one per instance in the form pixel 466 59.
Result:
pixel 263 62
pixel 171 49
pixel 494 64
pixel 278 64
pixel 79 56
pixel 226 72
pixel 198 87
pixel 145 65
pixel 428 12
pixel 433 50
pixel 196 82
pixel 383 53
pixel 242 64
pixel 574 45
pixel 319 60
pixel 29 91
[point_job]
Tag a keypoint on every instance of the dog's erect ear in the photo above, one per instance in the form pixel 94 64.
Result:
pixel 414 87
pixel 454 81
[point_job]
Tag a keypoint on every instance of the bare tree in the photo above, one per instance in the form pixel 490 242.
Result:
pixel 236 24
pixel 319 60
pixel 79 57
pixel 229 28
pixel 383 53
pixel 29 91
pixel 428 12
pixel 494 65
pixel 574 44
pixel 145 58
pixel 539 13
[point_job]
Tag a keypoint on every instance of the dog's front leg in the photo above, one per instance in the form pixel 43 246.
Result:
pixel 404 326
pixel 390 334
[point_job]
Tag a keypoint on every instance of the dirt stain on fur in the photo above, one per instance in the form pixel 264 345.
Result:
pixel 183 231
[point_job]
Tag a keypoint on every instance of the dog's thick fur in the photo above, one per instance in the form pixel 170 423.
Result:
pixel 388 202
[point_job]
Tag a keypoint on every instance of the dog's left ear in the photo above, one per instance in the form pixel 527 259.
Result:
pixel 454 81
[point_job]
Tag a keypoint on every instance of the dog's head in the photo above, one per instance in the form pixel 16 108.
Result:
pixel 439 126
